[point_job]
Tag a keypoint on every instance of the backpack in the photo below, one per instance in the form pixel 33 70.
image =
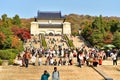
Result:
pixel 57 72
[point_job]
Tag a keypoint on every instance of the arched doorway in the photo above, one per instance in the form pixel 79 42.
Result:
pixel 51 34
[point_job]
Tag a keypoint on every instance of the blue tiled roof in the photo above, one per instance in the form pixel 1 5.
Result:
pixel 49 15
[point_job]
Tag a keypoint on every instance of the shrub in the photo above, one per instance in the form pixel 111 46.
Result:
pixel 1 61
pixel 10 62
pixel 69 42
pixel 13 50
pixel 7 54
pixel 44 44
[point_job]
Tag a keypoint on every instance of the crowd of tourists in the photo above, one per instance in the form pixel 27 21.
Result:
pixel 64 56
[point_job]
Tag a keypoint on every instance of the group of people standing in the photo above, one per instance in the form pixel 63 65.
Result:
pixel 55 75
pixel 83 55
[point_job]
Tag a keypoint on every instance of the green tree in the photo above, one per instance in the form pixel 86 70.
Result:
pixel 116 39
pixel 118 27
pixel 4 17
pixel 87 31
pixel 99 24
pixel 96 38
pixel 114 25
pixel 16 20
pixel 7 32
pixel 5 20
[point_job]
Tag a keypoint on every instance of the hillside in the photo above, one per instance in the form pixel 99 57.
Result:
pixel 98 30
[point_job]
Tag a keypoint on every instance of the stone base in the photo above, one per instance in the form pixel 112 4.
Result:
pixel 5 63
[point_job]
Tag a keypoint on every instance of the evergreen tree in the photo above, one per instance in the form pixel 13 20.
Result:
pixel 116 39
pixel 16 20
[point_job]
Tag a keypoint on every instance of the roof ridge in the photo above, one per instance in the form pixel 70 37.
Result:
pixel 49 11
pixel 49 14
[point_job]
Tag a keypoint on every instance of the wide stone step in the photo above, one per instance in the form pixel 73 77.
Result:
pixel 35 72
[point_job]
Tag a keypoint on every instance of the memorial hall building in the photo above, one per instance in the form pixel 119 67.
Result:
pixel 50 23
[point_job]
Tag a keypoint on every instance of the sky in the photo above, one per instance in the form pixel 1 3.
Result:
pixel 29 8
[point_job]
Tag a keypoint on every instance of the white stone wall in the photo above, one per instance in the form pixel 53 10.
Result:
pixel 67 28
pixel 50 30
pixel 35 30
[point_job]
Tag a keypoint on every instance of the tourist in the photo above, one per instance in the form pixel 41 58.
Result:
pixel 60 62
pixel 80 58
pixel 26 58
pixel 114 58
pixel 100 60
pixel 45 75
pixel 55 62
pixel 70 61
pixel 55 74
pixel 18 61
pixel 95 62
pixel 51 61
pixel 33 59
pixel 64 61
pixel 40 60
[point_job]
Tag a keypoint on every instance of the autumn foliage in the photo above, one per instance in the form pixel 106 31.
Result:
pixel 2 37
pixel 22 33
pixel 15 42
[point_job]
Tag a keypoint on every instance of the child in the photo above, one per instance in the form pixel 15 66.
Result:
pixel 100 60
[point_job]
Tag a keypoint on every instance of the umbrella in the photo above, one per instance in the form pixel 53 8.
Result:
pixel 109 46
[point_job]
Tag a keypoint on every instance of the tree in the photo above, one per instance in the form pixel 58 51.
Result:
pixel 87 31
pixel 2 39
pixel 7 32
pixel 7 43
pixel 5 20
pixel 96 38
pixel 22 33
pixel 16 20
pixel 116 39
pixel 114 25
pixel 15 42
pixel 4 17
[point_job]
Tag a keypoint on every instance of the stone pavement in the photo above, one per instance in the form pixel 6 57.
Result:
pixel 109 62
pixel 76 41
pixel 110 70
pixel 113 71
pixel 35 72
pixel 66 72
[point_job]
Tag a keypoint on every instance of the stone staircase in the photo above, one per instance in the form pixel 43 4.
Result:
pixel 34 73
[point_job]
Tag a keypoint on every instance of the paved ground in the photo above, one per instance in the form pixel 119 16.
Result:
pixel 66 72
pixel 76 41
pixel 112 71
pixel 34 73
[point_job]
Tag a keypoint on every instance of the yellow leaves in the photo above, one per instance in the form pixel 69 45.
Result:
pixel 15 42
pixel 2 37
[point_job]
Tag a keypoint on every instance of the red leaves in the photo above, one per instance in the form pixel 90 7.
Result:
pixel 22 33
